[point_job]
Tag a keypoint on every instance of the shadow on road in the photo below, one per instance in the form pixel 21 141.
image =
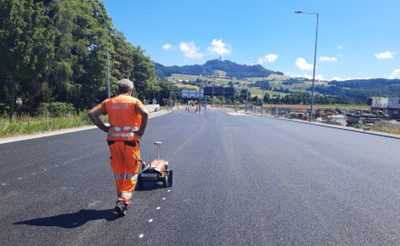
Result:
pixel 148 186
pixel 72 220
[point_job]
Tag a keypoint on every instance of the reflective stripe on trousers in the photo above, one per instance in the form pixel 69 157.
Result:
pixel 126 176
pixel 126 195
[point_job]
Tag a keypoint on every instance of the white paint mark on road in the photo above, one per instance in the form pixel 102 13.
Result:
pixel 19 178
pixel 3 184
pixel 169 190
pixel 141 235
pixel 93 203
pixel 163 198
pixel 150 220
pixel 236 114
pixel 158 208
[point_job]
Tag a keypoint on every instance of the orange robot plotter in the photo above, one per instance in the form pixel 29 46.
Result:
pixel 158 170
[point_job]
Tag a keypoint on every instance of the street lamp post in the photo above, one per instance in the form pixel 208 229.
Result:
pixel 315 61
pixel 108 65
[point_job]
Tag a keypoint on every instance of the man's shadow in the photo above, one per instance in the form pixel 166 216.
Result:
pixel 72 220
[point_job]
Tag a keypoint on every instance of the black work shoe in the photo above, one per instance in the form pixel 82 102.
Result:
pixel 121 208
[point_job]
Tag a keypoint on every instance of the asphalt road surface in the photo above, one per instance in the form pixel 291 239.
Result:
pixel 239 180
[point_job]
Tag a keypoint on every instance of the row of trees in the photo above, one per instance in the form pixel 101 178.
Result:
pixel 304 98
pixel 55 50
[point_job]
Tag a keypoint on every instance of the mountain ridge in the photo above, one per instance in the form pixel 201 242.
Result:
pixel 212 67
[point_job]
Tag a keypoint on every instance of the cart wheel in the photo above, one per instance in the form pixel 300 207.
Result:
pixel 138 183
pixel 165 181
pixel 170 178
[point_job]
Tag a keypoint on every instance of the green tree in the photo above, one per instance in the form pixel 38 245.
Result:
pixel 26 48
pixel 144 74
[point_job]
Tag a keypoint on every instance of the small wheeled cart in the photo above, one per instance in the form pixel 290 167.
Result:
pixel 158 170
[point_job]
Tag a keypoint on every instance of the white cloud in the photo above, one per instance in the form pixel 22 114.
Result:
pixel 168 47
pixel 267 59
pixel 339 47
pixel 190 50
pixel 302 64
pixel 218 47
pixel 328 59
pixel 395 74
pixel 385 55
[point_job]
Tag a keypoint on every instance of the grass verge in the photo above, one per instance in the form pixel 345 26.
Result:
pixel 387 128
pixel 28 125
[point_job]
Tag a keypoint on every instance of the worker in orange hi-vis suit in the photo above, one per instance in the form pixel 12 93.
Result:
pixel 128 120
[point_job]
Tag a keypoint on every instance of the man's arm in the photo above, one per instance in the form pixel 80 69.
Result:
pixel 94 117
pixel 145 117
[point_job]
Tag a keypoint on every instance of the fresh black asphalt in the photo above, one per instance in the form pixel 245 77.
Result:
pixel 239 180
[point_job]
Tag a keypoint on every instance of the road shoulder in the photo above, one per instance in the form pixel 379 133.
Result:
pixel 65 131
pixel 345 128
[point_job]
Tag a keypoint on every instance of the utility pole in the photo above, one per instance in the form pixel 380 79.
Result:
pixel 199 99
pixel 108 64
pixel 315 61
pixel 247 99
pixel 213 95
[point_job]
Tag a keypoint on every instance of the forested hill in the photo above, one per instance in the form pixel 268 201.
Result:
pixel 360 90
pixel 389 84
pixel 231 69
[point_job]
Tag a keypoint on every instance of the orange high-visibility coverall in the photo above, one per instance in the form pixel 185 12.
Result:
pixel 124 118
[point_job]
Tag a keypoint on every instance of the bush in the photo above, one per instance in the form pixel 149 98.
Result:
pixel 56 109
pixel 3 109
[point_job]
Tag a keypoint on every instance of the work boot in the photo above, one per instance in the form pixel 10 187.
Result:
pixel 121 207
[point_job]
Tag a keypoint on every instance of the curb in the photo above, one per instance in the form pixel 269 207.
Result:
pixel 65 131
pixel 345 128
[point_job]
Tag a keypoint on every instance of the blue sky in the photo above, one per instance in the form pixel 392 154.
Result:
pixel 357 38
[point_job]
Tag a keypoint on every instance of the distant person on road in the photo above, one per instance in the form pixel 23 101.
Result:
pixel 128 120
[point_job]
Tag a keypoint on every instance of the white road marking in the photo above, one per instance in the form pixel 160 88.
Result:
pixel 19 178
pixel 3 184
pixel 163 198
pixel 141 235
pixel 150 220
pixel 169 190
pixel 93 203
pixel 158 208
pixel 236 114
